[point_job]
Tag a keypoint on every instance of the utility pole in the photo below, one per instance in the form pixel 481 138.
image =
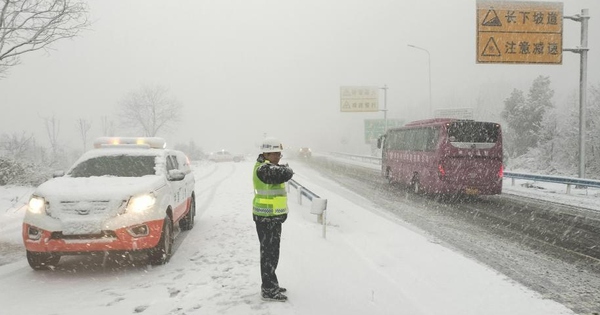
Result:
pixel 429 71
pixel 582 51
pixel 384 88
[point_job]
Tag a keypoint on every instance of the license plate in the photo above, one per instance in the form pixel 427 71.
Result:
pixel 471 191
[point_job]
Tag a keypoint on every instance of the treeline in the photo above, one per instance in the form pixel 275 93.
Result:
pixel 25 163
pixel 541 136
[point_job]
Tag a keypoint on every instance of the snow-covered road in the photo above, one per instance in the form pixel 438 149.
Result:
pixel 370 263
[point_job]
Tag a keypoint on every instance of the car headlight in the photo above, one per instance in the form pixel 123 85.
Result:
pixel 36 205
pixel 138 204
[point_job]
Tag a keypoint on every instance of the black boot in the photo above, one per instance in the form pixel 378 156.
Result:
pixel 277 296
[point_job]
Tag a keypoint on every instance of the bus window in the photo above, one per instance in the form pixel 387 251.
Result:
pixel 472 134
pixel 432 139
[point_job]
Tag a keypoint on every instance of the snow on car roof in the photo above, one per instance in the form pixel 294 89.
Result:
pixel 123 150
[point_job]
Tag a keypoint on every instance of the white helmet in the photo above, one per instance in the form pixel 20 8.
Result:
pixel 271 145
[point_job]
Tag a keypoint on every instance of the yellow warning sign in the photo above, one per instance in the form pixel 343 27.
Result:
pixel 519 32
pixel 359 99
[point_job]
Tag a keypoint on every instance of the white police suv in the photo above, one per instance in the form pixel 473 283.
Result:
pixel 126 195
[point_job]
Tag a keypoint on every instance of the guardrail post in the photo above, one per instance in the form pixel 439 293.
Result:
pixel 318 204
pixel 324 219
pixel 512 181
pixel 300 194
pixel 318 207
pixel 568 189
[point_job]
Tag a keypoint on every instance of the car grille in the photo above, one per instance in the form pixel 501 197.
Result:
pixel 98 236
pixel 102 208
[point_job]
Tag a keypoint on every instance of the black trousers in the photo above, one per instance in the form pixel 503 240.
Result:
pixel 269 236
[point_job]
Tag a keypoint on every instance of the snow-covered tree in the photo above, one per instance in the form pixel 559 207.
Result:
pixel 512 108
pixel 150 110
pixel 192 150
pixel 593 132
pixel 525 117
pixel 15 146
pixel 83 126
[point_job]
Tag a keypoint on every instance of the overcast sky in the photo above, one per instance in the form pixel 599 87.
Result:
pixel 243 69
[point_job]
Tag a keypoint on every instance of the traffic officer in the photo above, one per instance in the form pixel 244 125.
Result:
pixel 269 209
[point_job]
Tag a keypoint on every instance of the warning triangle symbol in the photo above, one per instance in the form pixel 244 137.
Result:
pixel 491 19
pixel 491 49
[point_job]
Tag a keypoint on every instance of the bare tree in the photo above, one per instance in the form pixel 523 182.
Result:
pixel 150 110
pixel 30 25
pixel 16 146
pixel 53 129
pixel 84 127
pixel 108 126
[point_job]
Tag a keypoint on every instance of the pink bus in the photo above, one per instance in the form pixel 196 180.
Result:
pixel 444 156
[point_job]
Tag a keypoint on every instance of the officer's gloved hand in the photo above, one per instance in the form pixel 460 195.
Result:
pixel 287 169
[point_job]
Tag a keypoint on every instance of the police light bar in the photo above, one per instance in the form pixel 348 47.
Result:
pixel 151 142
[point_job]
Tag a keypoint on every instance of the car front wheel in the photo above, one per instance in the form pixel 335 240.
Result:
pixel 42 261
pixel 161 254
pixel 187 223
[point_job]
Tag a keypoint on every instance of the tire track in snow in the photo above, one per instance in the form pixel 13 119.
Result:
pixel 220 268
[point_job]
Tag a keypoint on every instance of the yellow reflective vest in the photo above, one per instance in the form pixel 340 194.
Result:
pixel 269 199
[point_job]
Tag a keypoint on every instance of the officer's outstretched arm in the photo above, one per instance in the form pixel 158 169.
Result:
pixel 274 174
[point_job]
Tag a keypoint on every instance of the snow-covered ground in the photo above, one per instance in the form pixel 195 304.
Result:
pixel 368 263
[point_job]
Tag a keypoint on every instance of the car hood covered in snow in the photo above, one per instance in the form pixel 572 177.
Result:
pixel 105 187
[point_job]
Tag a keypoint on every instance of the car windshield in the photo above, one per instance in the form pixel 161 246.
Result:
pixel 115 165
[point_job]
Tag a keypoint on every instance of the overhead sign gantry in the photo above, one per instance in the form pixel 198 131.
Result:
pixel 519 32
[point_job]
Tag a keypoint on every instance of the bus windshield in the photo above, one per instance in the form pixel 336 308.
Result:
pixel 473 132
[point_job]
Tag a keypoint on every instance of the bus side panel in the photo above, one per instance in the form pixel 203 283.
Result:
pixel 405 165
pixel 399 166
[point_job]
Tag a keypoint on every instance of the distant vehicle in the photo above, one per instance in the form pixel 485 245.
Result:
pixel 124 196
pixel 225 156
pixel 444 156
pixel 220 156
pixel 304 152
pixel 239 158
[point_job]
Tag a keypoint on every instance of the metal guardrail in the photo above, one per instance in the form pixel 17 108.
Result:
pixel 361 158
pixel 318 204
pixel 569 181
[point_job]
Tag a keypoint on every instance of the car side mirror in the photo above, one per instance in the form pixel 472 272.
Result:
pixel 176 175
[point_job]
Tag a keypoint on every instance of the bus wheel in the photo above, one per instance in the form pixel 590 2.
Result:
pixel 415 186
pixel 388 176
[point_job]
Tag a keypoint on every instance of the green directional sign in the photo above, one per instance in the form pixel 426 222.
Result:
pixel 374 128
